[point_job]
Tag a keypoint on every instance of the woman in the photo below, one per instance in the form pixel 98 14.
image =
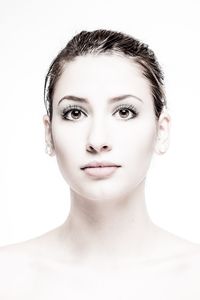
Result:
pixel 106 117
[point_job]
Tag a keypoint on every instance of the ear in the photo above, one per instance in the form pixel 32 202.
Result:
pixel 48 135
pixel 163 130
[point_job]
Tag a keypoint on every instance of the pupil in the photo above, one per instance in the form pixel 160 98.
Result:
pixel 76 113
pixel 124 110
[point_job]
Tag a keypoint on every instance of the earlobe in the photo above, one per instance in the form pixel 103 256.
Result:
pixel 163 130
pixel 48 136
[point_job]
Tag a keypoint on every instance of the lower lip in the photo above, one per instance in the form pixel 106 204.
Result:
pixel 100 172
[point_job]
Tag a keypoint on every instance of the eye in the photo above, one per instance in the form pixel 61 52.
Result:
pixel 74 111
pixel 127 112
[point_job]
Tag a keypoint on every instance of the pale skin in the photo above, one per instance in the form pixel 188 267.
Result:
pixel 108 248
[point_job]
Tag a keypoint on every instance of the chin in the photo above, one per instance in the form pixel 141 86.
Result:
pixel 107 192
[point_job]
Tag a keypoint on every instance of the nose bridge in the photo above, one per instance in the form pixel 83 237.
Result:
pixel 98 134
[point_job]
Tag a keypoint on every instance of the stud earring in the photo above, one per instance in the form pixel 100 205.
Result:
pixel 48 149
pixel 162 149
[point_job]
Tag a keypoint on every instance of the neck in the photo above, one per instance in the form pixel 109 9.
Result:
pixel 108 229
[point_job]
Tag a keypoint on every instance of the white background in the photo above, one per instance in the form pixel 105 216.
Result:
pixel 33 196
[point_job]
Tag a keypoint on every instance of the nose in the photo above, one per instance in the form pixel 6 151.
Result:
pixel 98 139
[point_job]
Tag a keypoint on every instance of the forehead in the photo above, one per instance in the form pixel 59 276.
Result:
pixel 102 76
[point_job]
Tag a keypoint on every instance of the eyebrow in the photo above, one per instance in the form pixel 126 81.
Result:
pixel 111 100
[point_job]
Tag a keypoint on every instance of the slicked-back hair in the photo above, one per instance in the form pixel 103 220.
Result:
pixel 107 42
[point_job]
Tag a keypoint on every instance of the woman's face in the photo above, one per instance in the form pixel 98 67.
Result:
pixel 113 120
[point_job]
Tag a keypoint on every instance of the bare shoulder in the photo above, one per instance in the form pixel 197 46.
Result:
pixel 182 255
pixel 29 254
pixel 16 271
pixel 192 261
pixel 25 254
pixel 20 266
pixel 188 273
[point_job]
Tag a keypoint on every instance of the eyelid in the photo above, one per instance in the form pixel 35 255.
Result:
pixel 71 107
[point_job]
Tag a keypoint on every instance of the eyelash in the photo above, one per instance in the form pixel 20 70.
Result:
pixel 70 108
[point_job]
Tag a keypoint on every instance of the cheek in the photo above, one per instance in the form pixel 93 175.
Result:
pixel 140 140
pixel 67 148
pixel 146 143
pixel 138 148
pixel 65 139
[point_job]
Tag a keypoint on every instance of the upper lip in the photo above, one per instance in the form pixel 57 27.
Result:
pixel 96 164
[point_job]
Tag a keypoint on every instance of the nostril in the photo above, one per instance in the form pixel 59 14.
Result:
pixel 90 148
pixel 93 148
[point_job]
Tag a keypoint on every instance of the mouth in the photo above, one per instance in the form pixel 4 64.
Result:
pixel 100 170
pixel 97 164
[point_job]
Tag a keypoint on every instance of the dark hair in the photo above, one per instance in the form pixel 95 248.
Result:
pixel 110 42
